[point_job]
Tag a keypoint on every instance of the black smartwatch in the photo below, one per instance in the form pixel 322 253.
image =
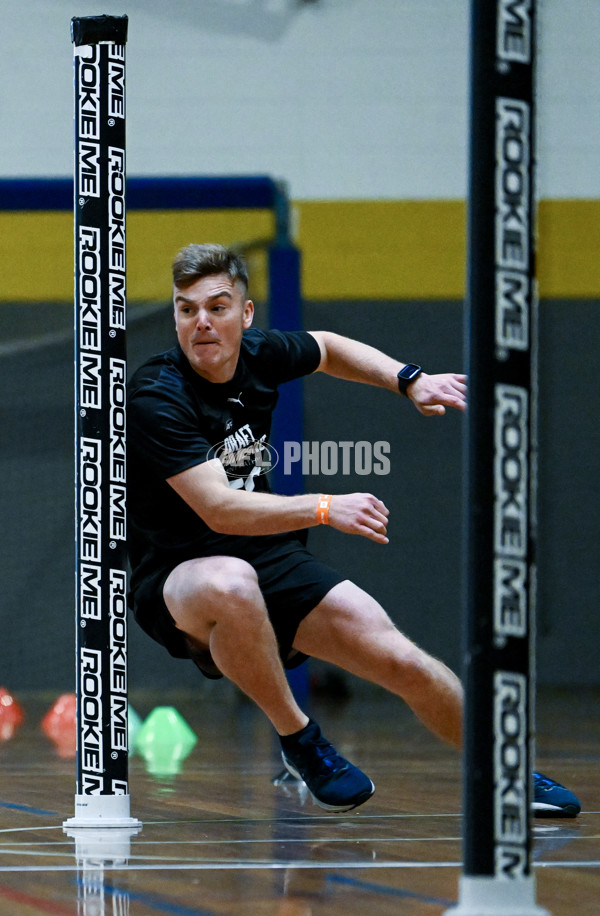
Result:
pixel 408 374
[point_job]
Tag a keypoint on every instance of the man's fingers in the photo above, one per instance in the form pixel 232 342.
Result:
pixel 376 523
pixel 380 507
pixel 436 392
pixel 378 536
pixel 360 513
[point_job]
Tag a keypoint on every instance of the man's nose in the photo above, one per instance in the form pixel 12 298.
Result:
pixel 203 319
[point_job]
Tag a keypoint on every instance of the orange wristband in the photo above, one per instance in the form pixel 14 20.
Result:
pixel 323 509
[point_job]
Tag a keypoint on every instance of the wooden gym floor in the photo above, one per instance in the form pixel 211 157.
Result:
pixel 220 839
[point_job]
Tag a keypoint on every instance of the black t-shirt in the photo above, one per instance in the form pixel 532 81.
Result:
pixel 176 419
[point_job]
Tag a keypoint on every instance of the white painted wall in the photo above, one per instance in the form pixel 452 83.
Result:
pixel 346 99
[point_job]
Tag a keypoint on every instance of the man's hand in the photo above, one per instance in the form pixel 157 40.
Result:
pixel 431 394
pixel 359 513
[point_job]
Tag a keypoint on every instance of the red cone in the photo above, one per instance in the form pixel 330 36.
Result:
pixel 60 724
pixel 11 714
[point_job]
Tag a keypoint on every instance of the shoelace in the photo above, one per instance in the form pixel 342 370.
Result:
pixel 544 782
pixel 329 758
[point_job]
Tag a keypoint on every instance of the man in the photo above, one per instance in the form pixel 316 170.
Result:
pixel 220 573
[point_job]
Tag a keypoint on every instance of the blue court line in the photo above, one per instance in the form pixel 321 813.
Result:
pixel 28 809
pixel 153 902
pixel 156 903
pixel 389 891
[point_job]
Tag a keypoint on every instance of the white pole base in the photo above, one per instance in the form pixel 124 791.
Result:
pixel 102 846
pixel 101 811
pixel 497 897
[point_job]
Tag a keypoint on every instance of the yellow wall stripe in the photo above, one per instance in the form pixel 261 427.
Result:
pixel 568 259
pixel 383 249
pixel 351 249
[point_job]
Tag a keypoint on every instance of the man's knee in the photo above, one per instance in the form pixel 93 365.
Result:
pixel 231 582
pixel 415 669
pixel 220 581
pixel 201 593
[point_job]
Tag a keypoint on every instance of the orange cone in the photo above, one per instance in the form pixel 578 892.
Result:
pixel 11 715
pixel 60 724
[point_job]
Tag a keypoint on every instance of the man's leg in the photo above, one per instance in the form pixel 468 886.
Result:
pixel 350 629
pixel 217 602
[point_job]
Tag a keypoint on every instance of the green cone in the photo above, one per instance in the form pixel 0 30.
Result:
pixel 164 741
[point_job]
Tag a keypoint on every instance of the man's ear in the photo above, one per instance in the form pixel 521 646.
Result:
pixel 248 313
pixel 174 306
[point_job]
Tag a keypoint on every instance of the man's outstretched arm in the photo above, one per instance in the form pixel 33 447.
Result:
pixel 350 359
pixel 226 510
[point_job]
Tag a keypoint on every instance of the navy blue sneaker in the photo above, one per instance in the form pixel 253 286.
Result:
pixel 550 799
pixel 334 782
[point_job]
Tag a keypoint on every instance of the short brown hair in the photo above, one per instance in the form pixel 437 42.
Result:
pixel 196 261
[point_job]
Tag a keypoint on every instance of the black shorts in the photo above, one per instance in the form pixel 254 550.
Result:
pixel 292 582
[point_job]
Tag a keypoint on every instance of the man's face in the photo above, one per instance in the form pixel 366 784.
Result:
pixel 210 316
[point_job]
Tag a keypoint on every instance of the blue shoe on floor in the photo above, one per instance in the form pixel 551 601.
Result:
pixel 334 783
pixel 550 799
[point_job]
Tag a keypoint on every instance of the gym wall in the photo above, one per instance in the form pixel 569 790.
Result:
pixel 362 109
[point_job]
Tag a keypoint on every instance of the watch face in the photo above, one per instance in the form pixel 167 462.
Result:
pixel 409 371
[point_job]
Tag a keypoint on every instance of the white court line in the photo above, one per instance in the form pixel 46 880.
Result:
pixel 270 841
pixel 38 848
pixel 312 840
pixel 65 854
pixel 253 866
pixel 235 866
pixel 539 823
pixel 334 819
pixel 303 819
pixel 307 819
pixel 140 856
